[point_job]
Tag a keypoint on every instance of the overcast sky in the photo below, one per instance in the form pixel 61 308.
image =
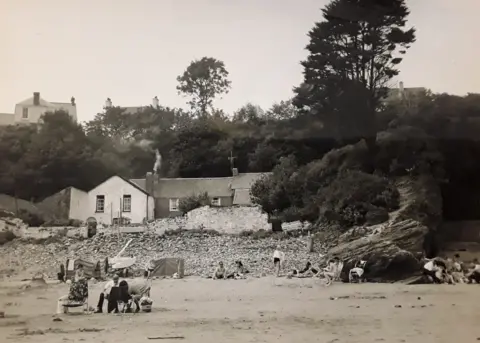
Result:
pixel 133 50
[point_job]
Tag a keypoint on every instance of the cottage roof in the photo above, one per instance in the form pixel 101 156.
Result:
pixel 142 183
pixel 182 188
pixel 214 186
pixel 246 180
pixel 242 197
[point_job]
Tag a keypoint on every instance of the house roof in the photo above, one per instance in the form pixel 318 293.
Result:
pixel 182 188
pixel 142 183
pixel 242 197
pixel 132 109
pixel 246 180
pixel 124 179
pixel 215 186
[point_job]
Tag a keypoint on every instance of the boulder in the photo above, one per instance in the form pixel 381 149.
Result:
pixel 392 252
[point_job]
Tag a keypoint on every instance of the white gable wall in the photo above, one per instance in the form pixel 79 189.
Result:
pixel 113 190
pixel 78 204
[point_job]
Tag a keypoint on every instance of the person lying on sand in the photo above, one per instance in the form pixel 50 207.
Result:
pixel 307 271
pixel 220 272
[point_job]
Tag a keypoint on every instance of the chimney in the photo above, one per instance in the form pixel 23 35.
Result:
pixel 400 85
pixel 36 98
pixel 72 100
pixel 149 181
pixel 234 171
pixel 155 102
pixel 108 103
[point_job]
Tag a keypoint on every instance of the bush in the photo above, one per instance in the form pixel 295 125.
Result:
pixel 6 236
pixel 30 218
pixel 353 194
pixel 194 201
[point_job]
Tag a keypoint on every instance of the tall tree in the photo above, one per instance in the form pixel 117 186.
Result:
pixel 353 54
pixel 203 81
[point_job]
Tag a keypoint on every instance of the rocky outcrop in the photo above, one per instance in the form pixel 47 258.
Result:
pixel 392 251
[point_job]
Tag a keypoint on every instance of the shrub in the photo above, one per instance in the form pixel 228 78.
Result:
pixel 30 218
pixel 6 236
pixel 353 194
pixel 194 201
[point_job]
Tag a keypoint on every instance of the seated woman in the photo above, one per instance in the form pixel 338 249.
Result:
pixel 239 272
pixel 78 293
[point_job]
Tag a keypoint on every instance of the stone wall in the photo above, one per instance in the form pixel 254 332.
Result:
pixel 227 220
pixel 47 232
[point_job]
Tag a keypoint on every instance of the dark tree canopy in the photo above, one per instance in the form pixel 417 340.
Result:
pixel 203 81
pixel 353 53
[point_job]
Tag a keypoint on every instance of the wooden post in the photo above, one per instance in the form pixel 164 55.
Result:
pixel 310 243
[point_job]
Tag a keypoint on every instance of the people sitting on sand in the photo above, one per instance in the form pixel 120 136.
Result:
pixel 474 272
pixel 308 270
pixel 78 292
pixel 278 260
pixel 239 272
pixel 432 270
pixel 220 272
pixel 106 292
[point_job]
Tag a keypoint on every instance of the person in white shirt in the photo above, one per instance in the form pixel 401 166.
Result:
pixel 432 270
pixel 106 292
pixel 278 260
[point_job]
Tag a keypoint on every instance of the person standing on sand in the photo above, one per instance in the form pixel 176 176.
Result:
pixel 278 260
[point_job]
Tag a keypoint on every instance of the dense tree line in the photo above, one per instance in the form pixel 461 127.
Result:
pixel 335 140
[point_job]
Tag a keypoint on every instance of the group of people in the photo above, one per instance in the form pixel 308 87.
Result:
pixel 115 291
pixel 221 273
pixel 451 271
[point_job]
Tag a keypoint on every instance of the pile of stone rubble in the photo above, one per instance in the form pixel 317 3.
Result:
pixel 201 252
pixel 229 220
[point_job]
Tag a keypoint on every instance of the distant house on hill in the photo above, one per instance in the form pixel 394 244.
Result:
pixel 30 111
pixel 222 191
pixel 111 200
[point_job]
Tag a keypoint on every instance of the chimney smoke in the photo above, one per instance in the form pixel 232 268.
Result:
pixel 158 162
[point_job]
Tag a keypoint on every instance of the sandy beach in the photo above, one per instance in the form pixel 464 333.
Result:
pixel 253 310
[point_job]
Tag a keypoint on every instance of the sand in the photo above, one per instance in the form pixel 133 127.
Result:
pixel 253 310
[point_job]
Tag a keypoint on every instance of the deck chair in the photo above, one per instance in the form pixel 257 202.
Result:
pixel 64 304
pixel 329 277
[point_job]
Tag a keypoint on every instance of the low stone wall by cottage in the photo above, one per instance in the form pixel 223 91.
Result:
pixel 227 220
pixel 47 232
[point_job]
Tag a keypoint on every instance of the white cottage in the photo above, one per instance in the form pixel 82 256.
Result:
pixel 112 199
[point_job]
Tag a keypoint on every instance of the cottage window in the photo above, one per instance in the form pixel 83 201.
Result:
pixel 127 203
pixel 174 205
pixel 25 113
pixel 216 202
pixel 100 205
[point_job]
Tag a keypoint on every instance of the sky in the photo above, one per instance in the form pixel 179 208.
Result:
pixel 133 50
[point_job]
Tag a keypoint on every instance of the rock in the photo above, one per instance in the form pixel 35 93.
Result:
pixel 390 253
pixel 200 250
